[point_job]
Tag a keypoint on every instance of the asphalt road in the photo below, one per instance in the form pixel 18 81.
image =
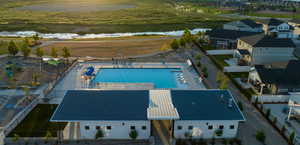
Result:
pixel 254 120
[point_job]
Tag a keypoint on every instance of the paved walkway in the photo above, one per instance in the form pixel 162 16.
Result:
pixel 255 121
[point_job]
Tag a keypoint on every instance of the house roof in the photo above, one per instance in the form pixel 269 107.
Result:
pixel 251 23
pixel 285 77
pixel 93 105
pixel 205 105
pixel 229 34
pixel 297 21
pixel 267 41
pixel 81 105
pixel 272 22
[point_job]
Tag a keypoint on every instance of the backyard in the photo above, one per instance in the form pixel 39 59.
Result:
pixel 104 16
pixel 37 124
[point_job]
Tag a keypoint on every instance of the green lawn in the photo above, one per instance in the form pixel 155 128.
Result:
pixel 3 47
pixel 147 15
pixel 36 123
pixel 220 59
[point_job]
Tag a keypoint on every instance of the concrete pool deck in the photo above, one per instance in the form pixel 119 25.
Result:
pixel 74 81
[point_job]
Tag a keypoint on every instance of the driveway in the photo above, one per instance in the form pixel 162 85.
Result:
pixel 254 120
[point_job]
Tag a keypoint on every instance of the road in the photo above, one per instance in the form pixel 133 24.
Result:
pixel 254 120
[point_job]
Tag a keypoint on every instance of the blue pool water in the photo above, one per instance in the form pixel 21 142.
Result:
pixel 160 77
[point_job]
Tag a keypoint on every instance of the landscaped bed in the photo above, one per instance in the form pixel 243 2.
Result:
pixel 37 124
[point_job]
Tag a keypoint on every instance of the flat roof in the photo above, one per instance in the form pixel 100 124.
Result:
pixel 94 105
pixel 205 105
pixel 110 105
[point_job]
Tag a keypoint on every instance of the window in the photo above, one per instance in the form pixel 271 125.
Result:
pixel 231 126
pixel 210 127
pixel 144 127
pixel 179 127
pixel 97 127
pixel 191 127
pixel 221 126
pixel 87 127
pixel 108 127
pixel 132 127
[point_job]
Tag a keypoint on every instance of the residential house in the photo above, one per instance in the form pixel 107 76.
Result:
pixel 116 113
pixel 261 49
pixel 277 28
pixel 244 25
pixel 296 24
pixel 276 80
pixel 226 39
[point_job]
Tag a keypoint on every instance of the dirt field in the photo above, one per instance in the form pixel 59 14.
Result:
pixel 111 48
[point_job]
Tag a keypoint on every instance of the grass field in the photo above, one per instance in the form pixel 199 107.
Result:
pixel 125 47
pixel 105 16
pixel 36 123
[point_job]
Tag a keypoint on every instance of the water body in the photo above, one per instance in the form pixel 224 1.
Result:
pixel 90 36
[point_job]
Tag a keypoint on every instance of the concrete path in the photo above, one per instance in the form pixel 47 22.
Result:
pixel 255 121
pixel 161 133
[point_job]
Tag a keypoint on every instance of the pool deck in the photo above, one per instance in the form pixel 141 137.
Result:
pixel 74 81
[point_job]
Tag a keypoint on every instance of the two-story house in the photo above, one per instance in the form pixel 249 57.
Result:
pixel 261 49
pixel 276 80
pixel 277 28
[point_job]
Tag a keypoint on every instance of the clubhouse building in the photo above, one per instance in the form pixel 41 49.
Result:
pixel 116 113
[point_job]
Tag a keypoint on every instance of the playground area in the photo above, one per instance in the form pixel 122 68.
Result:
pixel 17 72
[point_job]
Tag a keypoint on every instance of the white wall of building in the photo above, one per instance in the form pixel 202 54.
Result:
pixel 119 129
pixel 203 126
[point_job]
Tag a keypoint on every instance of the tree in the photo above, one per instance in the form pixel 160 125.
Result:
pixel 36 37
pixel 175 44
pixel 240 104
pixel 12 48
pixel 54 52
pixel 133 134
pixel 99 134
pixel 15 138
pixel 182 42
pixel 187 36
pixel 26 90
pixel 260 136
pixel 48 136
pixel 291 137
pixel 25 49
pixel 66 52
pixel 39 52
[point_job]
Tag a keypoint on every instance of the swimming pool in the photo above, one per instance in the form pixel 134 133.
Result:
pixel 160 77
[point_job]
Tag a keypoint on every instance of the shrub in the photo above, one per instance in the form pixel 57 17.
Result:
pixel 219 132
pixel 175 44
pixel 99 134
pixel 260 136
pixel 224 142
pixel 133 134
pixel 283 129
pixel 275 120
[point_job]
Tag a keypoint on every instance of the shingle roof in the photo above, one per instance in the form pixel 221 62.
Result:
pixel 272 22
pixel 251 23
pixel 103 105
pixel 297 21
pixel 267 41
pixel 229 34
pixel 286 77
pixel 205 105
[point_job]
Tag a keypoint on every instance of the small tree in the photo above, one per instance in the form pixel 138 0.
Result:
pixel 133 134
pixel 48 136
pixel 16 138
pixel 291 138
pixel 39 52
pixel 99 134
pixel 175 44
pixel 275 120
pixel 182 42
pixel 219 132
pixel 25 50
pixel 282 131
pixel 12 48
pixel 54 52
pixel 260 136
pixel 240 104
pixel 36 37
pixel 268 113
pixel 66 53
pixel 26 90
